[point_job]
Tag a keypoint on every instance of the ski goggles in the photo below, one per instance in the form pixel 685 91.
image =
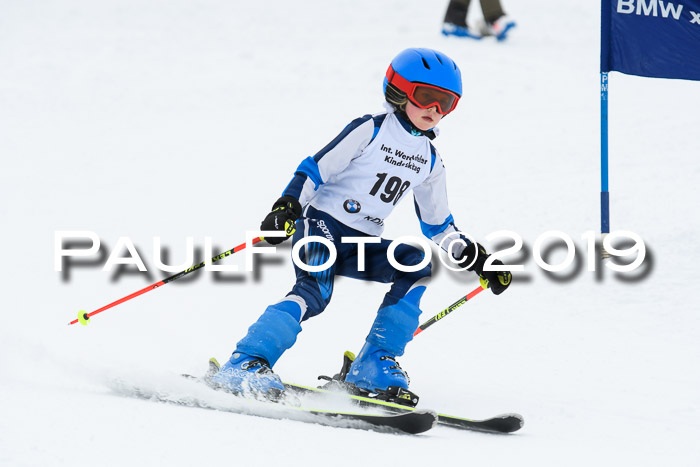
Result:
pixel 423 95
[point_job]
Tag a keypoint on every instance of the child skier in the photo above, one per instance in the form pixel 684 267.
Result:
pixel 348 189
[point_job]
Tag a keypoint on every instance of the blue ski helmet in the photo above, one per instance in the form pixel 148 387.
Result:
pixel 427 66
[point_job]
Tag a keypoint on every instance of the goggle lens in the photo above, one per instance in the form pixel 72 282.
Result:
pixel 426 97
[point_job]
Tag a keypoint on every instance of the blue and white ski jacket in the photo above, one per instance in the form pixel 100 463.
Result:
pixel 360 176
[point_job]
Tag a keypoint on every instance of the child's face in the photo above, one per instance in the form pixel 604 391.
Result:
pixel 423 119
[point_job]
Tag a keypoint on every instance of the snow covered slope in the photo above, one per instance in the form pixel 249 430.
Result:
pixel 176 118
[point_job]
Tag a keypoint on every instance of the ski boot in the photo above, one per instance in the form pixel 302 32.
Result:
pixel 498 29
pixel 450 29
pixel 247 375
pixel 375 373
pixel 248 371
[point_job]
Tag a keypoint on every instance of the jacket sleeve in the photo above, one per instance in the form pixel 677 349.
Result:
pixel 316 170
pixel 430 199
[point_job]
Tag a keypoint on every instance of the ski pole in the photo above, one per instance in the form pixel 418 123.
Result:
pixel 449 310
pixel 83 316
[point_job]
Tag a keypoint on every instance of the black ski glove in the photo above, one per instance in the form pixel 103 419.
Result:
pixel 283 216
pixel 497 281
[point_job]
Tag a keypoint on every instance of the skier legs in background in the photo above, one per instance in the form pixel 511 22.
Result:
pixel 494 23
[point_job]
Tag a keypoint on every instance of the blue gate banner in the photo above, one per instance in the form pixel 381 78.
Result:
pixel 654 38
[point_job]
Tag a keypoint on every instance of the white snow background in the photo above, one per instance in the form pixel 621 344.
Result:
pixel 177 118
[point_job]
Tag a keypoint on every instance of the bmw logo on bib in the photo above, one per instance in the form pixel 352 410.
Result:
pixel 351 206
